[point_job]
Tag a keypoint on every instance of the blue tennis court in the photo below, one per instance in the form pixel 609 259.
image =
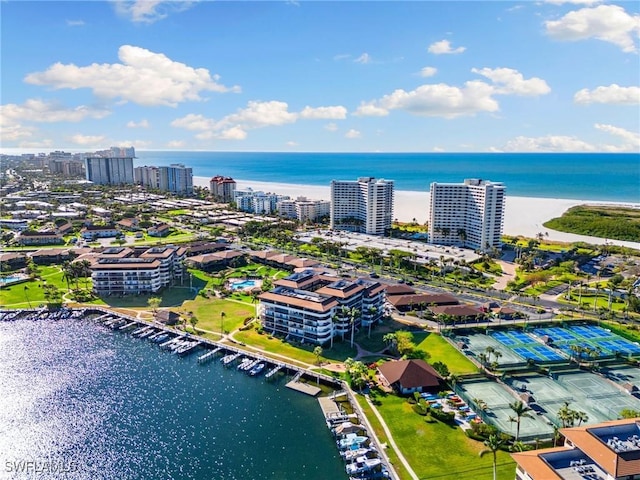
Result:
pixel 600 340
pixel 527 346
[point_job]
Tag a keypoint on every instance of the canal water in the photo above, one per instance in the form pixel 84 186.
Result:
pixel 80 401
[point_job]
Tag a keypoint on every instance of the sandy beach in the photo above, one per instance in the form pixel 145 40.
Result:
pixel 523 215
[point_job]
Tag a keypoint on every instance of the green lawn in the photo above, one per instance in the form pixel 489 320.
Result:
pixel 303 353
pixel 208 312
pixel 436 450
pixel 31 292
pixel 377 427
pixel 442 351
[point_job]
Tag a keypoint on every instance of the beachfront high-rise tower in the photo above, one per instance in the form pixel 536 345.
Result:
pixel 469 214
pixel 111 167
pixel 364 205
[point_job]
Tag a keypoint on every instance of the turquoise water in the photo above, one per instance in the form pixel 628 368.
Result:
pixel 243 284
pixel 591 176
pixel 104 405
pixel 9 279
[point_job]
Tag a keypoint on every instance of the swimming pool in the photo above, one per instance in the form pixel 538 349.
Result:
pixel 8 280
pixel 243 284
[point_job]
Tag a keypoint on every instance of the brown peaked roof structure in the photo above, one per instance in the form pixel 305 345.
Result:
pixel 410 373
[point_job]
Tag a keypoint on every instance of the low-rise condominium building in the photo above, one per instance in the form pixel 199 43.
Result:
pixel 303 209
pixel 125 271
pixel 314 307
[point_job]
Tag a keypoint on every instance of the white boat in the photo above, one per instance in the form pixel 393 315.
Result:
pixel 349 455
pixel 352 441
pixel 363 464
pixel 257 369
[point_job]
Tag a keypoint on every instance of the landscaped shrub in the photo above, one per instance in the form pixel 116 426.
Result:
pixel 444 417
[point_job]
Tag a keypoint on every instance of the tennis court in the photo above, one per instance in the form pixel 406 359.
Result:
pixel 478 343
pixel 598 394
pixel 498 412
pixel 527 346
pixel 602 341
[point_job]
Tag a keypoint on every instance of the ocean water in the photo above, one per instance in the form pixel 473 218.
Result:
pixel 592 176
pixel 91 403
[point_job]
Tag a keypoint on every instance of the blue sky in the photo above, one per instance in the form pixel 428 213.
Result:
pixel 426 76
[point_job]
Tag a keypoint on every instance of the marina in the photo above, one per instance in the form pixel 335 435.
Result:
pixel 118 398
pixel 359 450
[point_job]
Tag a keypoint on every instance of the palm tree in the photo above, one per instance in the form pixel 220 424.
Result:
pixel 194 321
pixel 493 444
pixel 391 339
pixel 522 411
pixel 334 319
pixel 581 417
pixel 26 289
pixel 222 315
pixel 317 352
pixel 353 314
pixel 371 311
pixel 154 303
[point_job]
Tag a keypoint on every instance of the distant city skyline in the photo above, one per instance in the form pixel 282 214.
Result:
pixel 433 76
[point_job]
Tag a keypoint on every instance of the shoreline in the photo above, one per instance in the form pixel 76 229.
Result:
pixel 523 215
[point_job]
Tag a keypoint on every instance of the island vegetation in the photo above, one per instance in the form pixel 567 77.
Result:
pixel 616 223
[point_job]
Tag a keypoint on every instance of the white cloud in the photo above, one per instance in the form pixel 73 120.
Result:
pixel 353 133
pixel 233 133
pixel 561 143
pixel 291 143
pixel 613 94
pixel 262 114
pixel 332 127
pixel 609 23
pixel 256 115
pixel 341 56
pixel 85 140
pixel 444 47
pixel 175 144
pixel 337 112
pixel 34 110
pixel 149 11
pixel 437 149
pixel 143 77
pixel 364 58
pixel 141 124
pixel 194 122
pixel 510 81
pixel 428 71
pixel 439 100
pixel 75 23
pixel 45 143
pixel 632 139
pixel 371 109
pixel 442 100
pixel 15 132
pixel 548 143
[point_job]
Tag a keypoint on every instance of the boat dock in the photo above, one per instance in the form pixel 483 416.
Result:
pixel 273 371
pixel 183 343
pixel 209 355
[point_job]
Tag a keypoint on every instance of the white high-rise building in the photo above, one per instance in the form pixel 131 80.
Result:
pixel 469 214
pixel 175 178
pixel 111 167
pixel 364 205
